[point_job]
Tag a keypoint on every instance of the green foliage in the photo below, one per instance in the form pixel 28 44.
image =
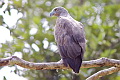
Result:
pixel 101 19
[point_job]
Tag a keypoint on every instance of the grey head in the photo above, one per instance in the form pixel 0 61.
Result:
pixel 59 11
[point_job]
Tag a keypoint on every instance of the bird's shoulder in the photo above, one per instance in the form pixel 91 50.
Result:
pixel 64 19
pixel 70 22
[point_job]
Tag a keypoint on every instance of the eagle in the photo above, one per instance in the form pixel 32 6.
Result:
pixel 70 38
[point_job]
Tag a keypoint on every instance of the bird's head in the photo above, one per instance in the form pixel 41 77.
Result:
pixel 59 11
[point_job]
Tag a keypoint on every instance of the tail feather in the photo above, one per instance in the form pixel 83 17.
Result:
pixel 78 62
pixel 75 64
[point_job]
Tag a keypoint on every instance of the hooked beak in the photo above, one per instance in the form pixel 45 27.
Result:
pixel 52 13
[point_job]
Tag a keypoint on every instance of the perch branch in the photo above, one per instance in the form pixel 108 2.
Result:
pixel 14 60
pixel 113 63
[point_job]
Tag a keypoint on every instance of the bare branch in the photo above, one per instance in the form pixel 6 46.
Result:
pixel 101 62
pixel 14 60
pixel 103 73
pixel 113 63
pixel 57 65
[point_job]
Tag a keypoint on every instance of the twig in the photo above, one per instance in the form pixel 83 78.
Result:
pixel 103 73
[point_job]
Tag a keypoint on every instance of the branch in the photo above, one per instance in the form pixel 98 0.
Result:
pixel 103 73
pixel 59 65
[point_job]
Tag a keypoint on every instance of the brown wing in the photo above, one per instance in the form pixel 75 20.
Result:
pixel 70 39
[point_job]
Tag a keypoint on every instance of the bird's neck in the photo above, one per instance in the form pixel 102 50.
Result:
pixel 64 14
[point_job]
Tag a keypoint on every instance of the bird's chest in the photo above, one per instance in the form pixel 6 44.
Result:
pixel 59 32
pixel 62 31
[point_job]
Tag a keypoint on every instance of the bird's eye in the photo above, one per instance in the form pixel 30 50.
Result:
pixel 56 9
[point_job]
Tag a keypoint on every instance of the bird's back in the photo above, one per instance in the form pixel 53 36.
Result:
pixel 69 35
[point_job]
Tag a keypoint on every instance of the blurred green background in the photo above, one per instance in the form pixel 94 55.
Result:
pixel 32 34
